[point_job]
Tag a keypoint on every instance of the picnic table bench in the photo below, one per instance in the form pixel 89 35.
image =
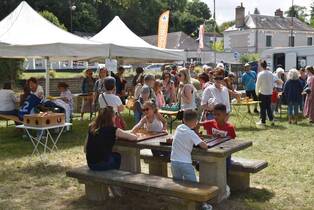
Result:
pixel 8 118
pixel 239 172
pixel 186 195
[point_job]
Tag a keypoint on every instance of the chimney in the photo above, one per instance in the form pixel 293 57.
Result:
pixel 279 13
pixel 240 16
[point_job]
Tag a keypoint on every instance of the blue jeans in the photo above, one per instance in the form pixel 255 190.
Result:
pixel 183 171
pixel 293 109
pixel 114 162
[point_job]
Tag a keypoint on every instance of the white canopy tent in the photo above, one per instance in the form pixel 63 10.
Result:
pixel 124 43
pixel 26 34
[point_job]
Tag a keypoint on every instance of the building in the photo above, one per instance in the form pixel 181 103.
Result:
pixel 256 33
pixel 182 41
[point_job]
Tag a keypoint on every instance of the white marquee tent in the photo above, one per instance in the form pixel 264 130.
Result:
pixel 26 34
pixel 124 43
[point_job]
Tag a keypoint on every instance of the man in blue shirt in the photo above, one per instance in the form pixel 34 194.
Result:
pixel 249 81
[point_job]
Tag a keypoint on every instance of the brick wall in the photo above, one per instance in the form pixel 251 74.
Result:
pixel 74 84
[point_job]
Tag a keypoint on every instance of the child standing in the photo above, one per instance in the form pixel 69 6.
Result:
pixel 183 141
pixel 102 135
pixel 160 100
pixel 139 104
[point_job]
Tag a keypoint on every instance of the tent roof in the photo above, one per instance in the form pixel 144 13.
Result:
pixel 125 43
pixel 25 33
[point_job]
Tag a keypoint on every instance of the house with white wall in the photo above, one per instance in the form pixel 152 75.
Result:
pixel 255 33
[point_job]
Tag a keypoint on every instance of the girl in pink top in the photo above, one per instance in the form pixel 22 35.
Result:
pixel 160 100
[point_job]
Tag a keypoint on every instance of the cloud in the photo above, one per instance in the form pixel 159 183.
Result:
pixel 225 9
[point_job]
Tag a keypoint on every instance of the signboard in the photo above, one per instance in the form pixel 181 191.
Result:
pixel 163 29
pixel 111 65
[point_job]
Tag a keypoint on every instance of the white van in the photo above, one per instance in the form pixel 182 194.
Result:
pixel 289 57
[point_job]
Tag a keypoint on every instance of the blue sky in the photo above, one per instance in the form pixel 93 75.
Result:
pixel 225 8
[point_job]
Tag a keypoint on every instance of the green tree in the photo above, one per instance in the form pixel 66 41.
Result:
pixel 224 26
pixel 53 19
pixel 85 17
pixel 245 58
pixel 298 12
pixel 10 69
pixel 198 9
pixel 218 46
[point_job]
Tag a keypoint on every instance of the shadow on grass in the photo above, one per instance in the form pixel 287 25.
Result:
pixel 253 194
pixel 41 169
pixel 13 145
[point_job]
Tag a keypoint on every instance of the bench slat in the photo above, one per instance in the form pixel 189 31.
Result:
pixel 10 117
pixel 248 166
pixel 148 183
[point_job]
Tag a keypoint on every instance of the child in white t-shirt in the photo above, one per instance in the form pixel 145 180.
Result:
pixel 183 141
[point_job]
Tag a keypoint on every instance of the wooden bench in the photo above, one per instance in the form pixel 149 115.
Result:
pixel 239 172
pixel 186 194
pixel 10 118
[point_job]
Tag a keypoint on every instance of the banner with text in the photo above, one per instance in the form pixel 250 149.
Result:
pixel 163 29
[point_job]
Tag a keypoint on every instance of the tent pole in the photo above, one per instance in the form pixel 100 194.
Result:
pixel 47 76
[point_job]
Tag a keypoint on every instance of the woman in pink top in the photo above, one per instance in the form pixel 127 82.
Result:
pixel 309 101
pixel 160 100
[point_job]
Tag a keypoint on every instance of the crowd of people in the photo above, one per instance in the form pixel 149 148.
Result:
pixel 203 99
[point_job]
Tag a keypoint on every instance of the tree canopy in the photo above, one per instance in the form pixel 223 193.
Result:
pixel 140 15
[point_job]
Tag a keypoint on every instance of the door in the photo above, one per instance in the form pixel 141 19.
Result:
pixel 279 59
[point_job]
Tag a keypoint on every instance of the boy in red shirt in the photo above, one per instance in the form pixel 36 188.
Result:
pixel 219 127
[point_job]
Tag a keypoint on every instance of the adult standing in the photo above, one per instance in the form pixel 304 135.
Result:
pixel 7 100
pixel 120 83
pixel 215 94
pixel 187 92
pixel 139 72
pixel 292 91
pixel 88 89
pixel 309 101
pixel 99 86
pixel 264 89
pixel 168 88
pixel 192 71
pixel 249 81
pixel 302 79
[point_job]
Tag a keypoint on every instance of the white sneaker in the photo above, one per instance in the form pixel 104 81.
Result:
pixel 206 206
pixel 260 123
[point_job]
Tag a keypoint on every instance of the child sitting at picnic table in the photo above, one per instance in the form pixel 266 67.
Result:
pixel 219 127
pixel 102 135
pixel 152 121
pixel 183 141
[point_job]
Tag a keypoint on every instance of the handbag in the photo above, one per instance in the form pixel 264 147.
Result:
pixel 119 121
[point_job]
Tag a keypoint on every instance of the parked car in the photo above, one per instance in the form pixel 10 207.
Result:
pixel 153 67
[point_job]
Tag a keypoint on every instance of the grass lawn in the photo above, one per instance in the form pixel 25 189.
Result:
pixel 27 183
pixel 27 75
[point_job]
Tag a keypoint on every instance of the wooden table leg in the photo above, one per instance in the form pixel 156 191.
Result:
pixel 213 171
pixel 130 158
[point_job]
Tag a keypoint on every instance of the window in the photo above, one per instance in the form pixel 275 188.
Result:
pixel 309 41
pixel 268 40
pixel 291 41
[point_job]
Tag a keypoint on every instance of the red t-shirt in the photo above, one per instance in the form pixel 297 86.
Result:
pixel 212 128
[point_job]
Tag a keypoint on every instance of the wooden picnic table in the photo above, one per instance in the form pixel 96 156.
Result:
pixel 212 161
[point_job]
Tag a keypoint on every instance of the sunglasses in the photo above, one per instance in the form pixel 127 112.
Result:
pixel 145 110
pixel 180 75
pixel 219 78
